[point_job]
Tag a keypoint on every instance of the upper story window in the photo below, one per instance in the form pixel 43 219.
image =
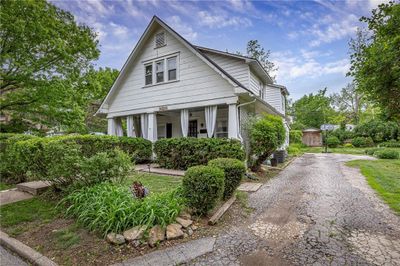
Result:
pixel 161 70
pixel 148 74
pixel 160 40
pixel 171 68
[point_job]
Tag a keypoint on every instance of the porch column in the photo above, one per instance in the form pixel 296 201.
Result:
pixel 233 123
pixel 130 126
pixel 210 115
pixel 118 127
pixel 184 122
pixel 111 126
pixel 152 127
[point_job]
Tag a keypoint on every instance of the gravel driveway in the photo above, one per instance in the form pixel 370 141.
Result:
pixel 317 211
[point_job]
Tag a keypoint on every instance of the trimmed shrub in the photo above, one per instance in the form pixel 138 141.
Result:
pixel 362 142
pixel 342 134
pixel 182 153
pixel 390 144
pixel 371 151
pixel 108 207
pixel 333 141
pixel 233 169
pixel 293 150
pixel 379 130
pixel 202 187
pixel 295 136
pixel 387 154
pixel 348 145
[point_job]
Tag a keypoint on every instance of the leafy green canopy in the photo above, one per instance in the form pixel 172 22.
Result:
pixel 43 54
pixel 375 60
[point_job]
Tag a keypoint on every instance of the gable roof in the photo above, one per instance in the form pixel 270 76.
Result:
pixel 188 45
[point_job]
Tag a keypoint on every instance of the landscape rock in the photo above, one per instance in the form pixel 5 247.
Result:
pixel 116 239
pixel 156 234
pixel 174 231
pixel 134 233
pixel 184 222
pixel 185 215
pixel 190 231
pixel 194 227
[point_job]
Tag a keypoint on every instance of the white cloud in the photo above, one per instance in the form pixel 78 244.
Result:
pixel 119 31
pixel 222 20
pixel 183 29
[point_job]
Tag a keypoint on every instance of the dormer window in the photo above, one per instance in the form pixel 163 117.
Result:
pixel 160 40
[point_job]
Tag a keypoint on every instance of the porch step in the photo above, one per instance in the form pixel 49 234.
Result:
pixel 34 187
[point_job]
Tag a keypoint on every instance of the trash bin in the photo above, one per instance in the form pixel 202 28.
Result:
pixel 280 156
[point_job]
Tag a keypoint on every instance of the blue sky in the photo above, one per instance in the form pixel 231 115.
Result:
pixel 308 39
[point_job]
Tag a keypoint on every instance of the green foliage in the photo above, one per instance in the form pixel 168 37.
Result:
pixel 255 51
pixel 349 102
pixel 371 151
pixel 203 186
pixel 108 207
pixel 295 136
pixel 182 153
pixel 390 144
pixel 293 150
pixel 234 171
pixel 379 130
pixel 266 135
pixel 43 51
pixel 374 59
pixel 362 142
pixel 342 134
pixel 332 141
pixel 313 110
pixel 348 145
pixel 387 154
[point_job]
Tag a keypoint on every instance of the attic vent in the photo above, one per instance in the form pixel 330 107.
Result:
pixel 160 39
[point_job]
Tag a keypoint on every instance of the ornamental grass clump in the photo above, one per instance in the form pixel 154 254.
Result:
pixel 109 207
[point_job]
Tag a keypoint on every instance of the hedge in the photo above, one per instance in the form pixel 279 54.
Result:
pixel 332 141
pixel 390 144
pixel 387 154
pixel 234 171
pixel 182 153
pixel 202 187
pixel 362 142
pixel 43 158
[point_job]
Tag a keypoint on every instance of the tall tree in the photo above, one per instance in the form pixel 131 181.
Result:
pixel 255 50
pixel 349 102
pixel 42 51
pixel 313 110
pixel 375 60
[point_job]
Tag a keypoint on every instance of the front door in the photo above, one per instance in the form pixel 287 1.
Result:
pixel 169 130
pixel 192 128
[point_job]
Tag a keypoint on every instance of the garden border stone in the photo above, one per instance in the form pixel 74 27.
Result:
pixel 24 251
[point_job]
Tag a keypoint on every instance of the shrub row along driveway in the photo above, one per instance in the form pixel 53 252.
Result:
pixel 316 211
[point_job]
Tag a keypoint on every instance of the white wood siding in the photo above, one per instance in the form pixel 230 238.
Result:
pixel 197 81
pixel 235 67
pixel 273 96
pixel 255 84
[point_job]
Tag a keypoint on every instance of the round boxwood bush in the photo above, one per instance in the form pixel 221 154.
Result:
pixel 371 151
pixel 333 141
pixel 387 154
pixel 202 187
pixel 234 170
pixel 362 142
pixel 348 145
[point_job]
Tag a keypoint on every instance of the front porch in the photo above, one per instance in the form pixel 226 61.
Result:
pixel 199 122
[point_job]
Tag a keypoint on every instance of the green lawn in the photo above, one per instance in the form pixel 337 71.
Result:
pixel 14 215
pixel 384 177
pixel 4 186
pixel 156 183
pixel 335 150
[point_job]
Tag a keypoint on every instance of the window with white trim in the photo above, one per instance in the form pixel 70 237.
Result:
pixel 159 40
pixel 160 71
pixel 171 68
pixel 148 74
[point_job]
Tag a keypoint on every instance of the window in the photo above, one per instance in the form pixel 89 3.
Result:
pixel 222 129
pixel 148 74
pixel 160 40
pixel 171 68
pixel 160 71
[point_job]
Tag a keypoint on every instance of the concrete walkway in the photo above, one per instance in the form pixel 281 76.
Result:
pixel 9 259
pixel 153 168
pixel 175 255
pixel 13 195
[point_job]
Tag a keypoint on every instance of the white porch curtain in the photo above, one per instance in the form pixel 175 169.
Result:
pixel 144 122
pixel 210 113
pixel 185 122
pixel 118 127
pixel 130 131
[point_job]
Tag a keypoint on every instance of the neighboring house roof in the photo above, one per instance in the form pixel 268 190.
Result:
pixel 197 50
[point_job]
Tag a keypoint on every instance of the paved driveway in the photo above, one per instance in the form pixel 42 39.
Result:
pixel 317 211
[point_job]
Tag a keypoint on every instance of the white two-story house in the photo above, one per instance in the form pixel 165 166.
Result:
pixel 169 87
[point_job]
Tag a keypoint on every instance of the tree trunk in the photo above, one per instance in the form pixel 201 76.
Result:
pixel 257 164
